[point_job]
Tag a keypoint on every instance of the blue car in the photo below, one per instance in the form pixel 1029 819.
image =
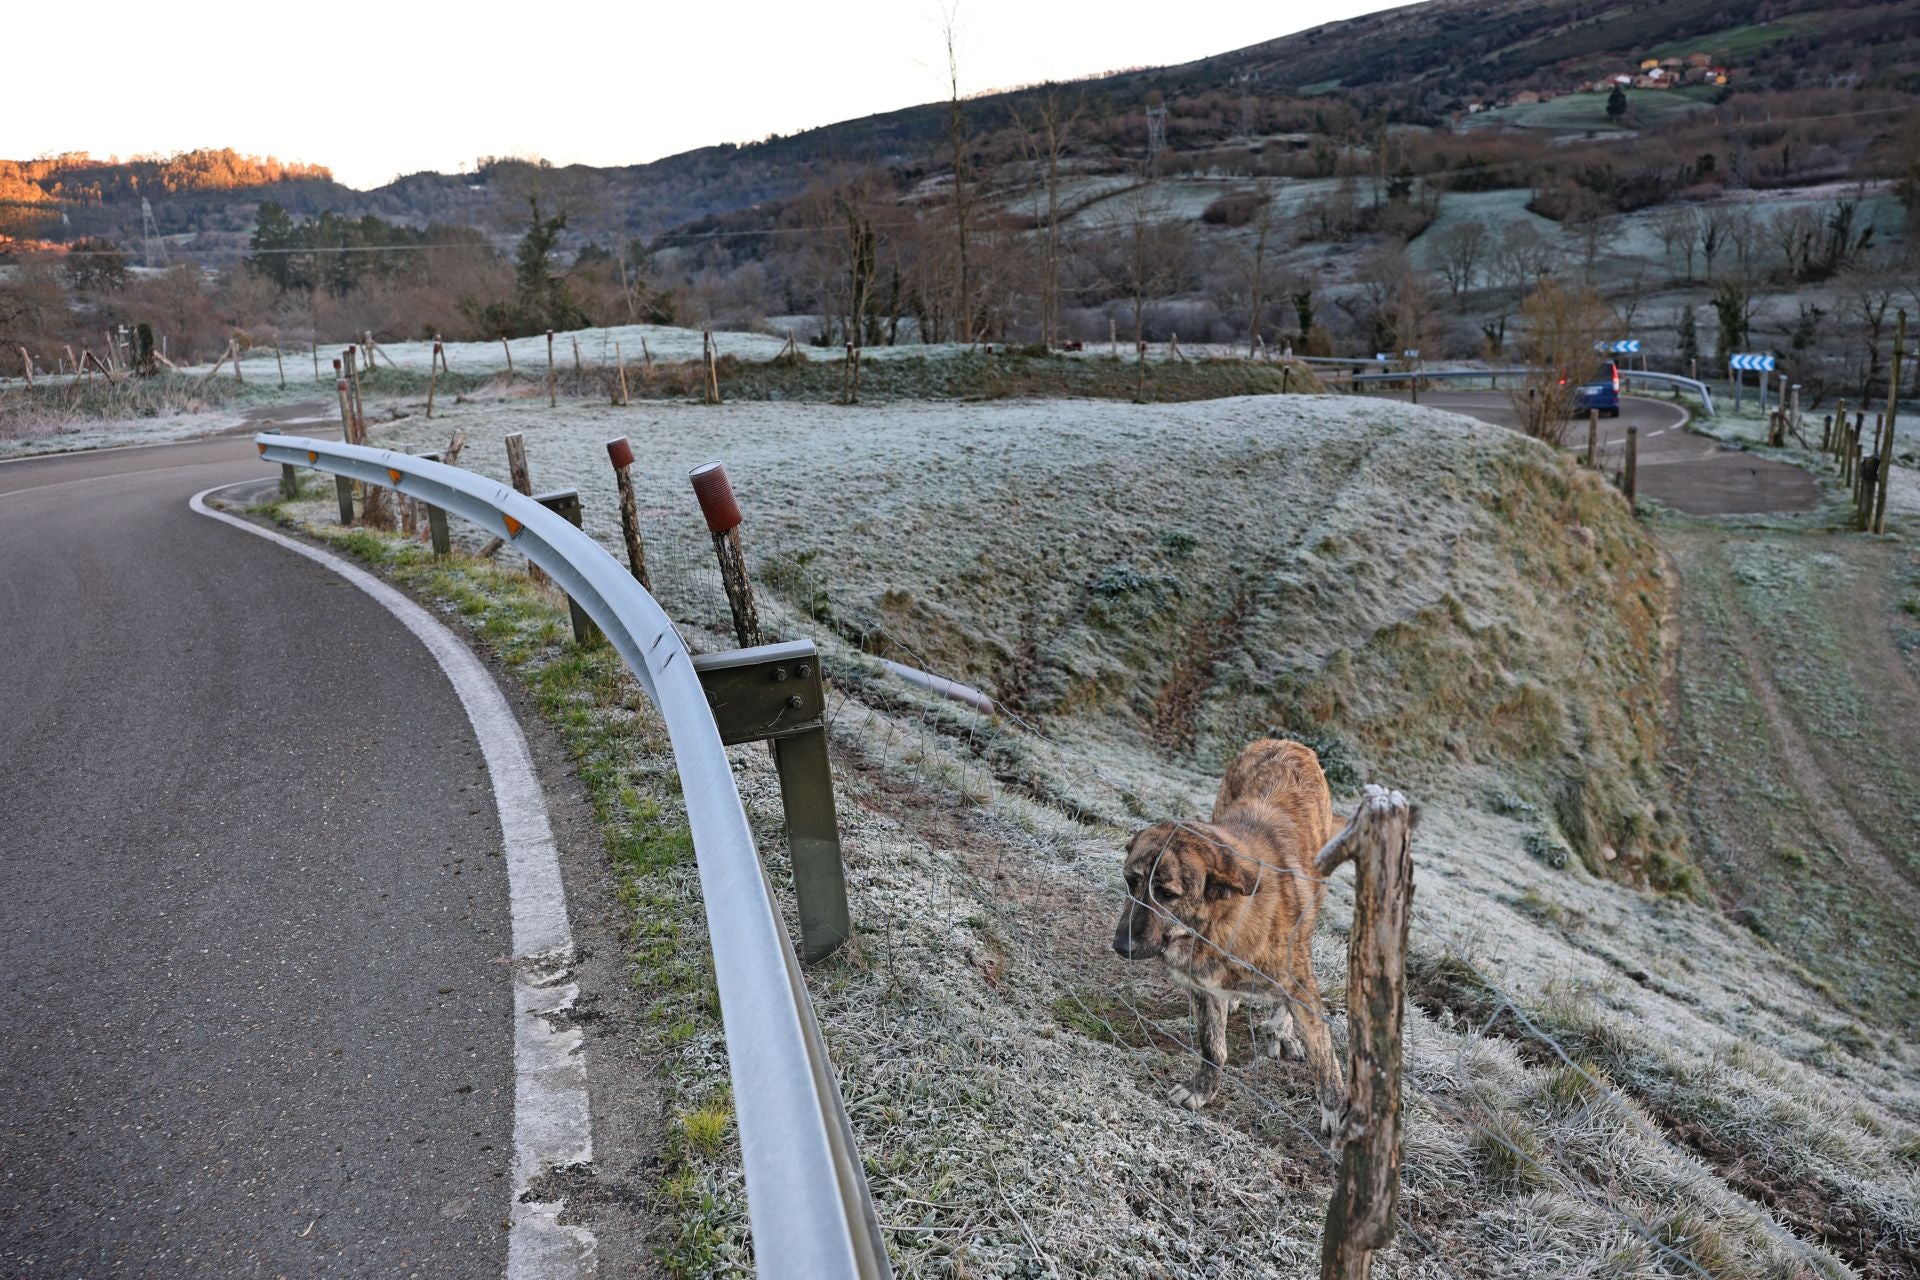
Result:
pixel 1603 393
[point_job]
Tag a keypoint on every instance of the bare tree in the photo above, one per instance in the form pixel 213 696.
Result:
pixel 1867 292
pixel 1677 226
pixel 1153 251
pixel 1045 131
pixel 1713 235
pixel 1562 325
pixel 1459 252
pixel 1263 218
pixel 960 139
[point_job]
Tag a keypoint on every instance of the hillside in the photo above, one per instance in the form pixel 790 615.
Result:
pixel 1719 1112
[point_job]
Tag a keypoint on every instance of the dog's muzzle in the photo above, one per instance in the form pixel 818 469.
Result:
pixel 1128 943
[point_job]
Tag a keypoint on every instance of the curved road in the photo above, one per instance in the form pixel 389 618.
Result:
pixel 1680 468
pixel 253 912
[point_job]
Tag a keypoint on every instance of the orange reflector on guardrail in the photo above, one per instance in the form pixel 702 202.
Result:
pixel 395 474
pixel 313 455
pixel 262 448
pixel 513 526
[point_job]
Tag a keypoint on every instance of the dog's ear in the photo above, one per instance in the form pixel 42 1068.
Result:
pixel 1229 870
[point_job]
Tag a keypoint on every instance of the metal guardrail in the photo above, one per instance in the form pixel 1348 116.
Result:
pixel 807 1198
pixel 1437 375
pixel 1626 376
pixel 1673 379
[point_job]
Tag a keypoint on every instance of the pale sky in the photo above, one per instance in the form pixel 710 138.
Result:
pixel 373 91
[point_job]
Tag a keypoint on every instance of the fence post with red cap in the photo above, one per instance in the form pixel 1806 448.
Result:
pixel 717 504
pixel 621 454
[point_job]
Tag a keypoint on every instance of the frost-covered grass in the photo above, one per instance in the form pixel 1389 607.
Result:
pixel 1436 603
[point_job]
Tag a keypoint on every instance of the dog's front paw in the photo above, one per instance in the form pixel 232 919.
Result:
pixel 1288 1048
pixel 1192 1095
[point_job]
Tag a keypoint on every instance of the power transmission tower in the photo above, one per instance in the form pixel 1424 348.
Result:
pixel 1156 131
pixel 150 234
pixel 1245 80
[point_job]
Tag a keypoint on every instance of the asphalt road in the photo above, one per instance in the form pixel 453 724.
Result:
pixel 257 1015
pixel 1680 468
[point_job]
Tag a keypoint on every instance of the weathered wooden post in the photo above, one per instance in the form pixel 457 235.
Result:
pixel 433 376
pixel 1593 436
pixel 722 512
pixel 575 339
pixel 278 363
pixel 552 378
pixel 620 365
pixel 566 504
pixel 342 486
pixel 621 455
pixel 508 348
pixel 1363 1214
pixel 1840 424
pixel 346 411
pixel 522 481
pixel 233 345
pixel 1879 521
pixel 1826 435
pixel 289 481
pixel 27 362
pixel 437 521
pixel 1633 467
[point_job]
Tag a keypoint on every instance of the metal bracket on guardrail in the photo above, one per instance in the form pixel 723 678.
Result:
pixel 773 693
pixel 565 503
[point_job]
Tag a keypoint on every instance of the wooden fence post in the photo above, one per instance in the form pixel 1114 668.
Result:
pixel 508 348
pixel 552 378
pixel 621 455
pixel 27 361
pixel 1363 1213
pixel 433 377
pixel 1632 484
pixel 523 483
pixel 1879 504
pixel 717 504
pixel 620 366
pixel 278 363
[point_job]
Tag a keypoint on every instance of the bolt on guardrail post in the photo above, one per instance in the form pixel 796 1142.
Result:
pixel 621 454
pixel 722 512
pixel 774 693
pixel 566 504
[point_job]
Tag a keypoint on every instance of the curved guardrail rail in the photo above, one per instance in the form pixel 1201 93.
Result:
pixel 807 1198
pixel 1694 385
pixel 1626 375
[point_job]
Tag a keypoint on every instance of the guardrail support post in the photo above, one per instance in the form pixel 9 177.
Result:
pixel 774 693
pixel 343 487
pixel 289 480
pixel 565 503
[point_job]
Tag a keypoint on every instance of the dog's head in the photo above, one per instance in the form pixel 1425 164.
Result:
pixel 1177 874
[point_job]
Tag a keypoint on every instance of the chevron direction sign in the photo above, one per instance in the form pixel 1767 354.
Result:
pixel 1624 347
pixel 1747 361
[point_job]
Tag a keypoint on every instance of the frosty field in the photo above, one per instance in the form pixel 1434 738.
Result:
pixel 1434 603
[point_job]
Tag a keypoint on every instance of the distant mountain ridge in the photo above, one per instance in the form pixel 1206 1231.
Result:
pixel 1416 64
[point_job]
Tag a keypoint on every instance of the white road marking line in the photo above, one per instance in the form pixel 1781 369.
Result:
pixel 552 1125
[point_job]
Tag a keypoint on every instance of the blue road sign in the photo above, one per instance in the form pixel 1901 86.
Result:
pixel 1748 360
pixel 1624 347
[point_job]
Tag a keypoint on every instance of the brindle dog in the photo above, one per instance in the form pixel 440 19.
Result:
pixel 1229 906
